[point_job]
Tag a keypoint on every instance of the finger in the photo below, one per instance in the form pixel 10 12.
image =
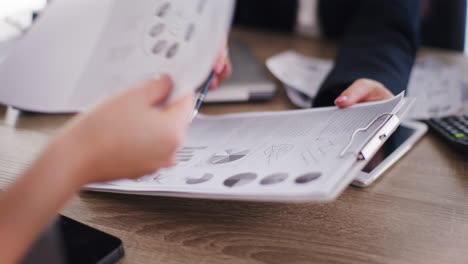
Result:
pixel 182 109
pixel 227 72
pixel 362 90
pixel 156 92
pixel 219 65
pixel 353 94
pixel 214 83
pixel 221 60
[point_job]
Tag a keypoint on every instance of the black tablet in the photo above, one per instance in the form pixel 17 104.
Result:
pixel 70 242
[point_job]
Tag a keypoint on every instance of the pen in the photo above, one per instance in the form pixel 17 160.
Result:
pixel 202 94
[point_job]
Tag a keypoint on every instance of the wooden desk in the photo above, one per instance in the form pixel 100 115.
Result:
pixel 417 213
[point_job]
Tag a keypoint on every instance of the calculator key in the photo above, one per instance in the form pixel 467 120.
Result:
pixel 172 51
pixel 451 130
pixel 163 9
pixel 443 124
pixel 454 129
pixel 159 46
pixel 156 30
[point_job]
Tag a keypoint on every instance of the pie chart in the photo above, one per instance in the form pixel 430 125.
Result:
pixel 227 156
pixel 240 179
pixel 206 177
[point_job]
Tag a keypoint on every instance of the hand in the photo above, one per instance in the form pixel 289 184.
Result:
pixel 130 135
pixel 361 91
pixel 222 69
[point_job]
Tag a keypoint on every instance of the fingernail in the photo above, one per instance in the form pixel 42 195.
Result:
pixel 341 99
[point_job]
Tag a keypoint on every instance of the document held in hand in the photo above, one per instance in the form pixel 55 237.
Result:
pixel 303 155
pixel 81 51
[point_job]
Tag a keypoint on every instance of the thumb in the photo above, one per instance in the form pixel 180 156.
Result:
pixel 156 92
pixel 182 109
pixel 362 90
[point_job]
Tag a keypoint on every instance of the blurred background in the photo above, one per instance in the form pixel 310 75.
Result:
pixel 444 21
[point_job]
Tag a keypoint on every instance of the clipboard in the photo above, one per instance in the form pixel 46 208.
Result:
pixel 278 173
pixel 365 154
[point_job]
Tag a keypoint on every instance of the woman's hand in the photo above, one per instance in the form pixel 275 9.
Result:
pixel 130 135
pixel 361 91
pixel 222 69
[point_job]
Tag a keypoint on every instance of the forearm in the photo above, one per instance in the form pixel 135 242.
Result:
pixel 380 44
pixel 29 206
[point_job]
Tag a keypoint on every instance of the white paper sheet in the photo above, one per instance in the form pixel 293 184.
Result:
pixel 5 48
pixel 82 51
pixel 291 155
pixel 304 74
pixel 441 90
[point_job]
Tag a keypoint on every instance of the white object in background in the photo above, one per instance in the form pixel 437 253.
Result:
pixel 11 116
pixel 440 90
pixel 297 98
pixel 307 23
pixel 16 16
pixel 9 7
pixel 305 74
pixel 66 63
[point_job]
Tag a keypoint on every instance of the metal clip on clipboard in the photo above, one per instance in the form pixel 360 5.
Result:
pixel 374 144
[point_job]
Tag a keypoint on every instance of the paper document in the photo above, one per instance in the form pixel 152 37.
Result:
pixel 5 48
pixel 440 90
pixel 298 72
pixel 277 156
pixel 66 63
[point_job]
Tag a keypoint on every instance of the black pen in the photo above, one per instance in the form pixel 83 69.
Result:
pixel 202 94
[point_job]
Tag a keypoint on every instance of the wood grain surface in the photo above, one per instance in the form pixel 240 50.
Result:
pixel 416 213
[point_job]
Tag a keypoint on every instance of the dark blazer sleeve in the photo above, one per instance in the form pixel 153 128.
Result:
pixel 274 15
pixel 379 41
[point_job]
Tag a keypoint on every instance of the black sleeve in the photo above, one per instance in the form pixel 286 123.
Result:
pixel 380 40
pixel 277 15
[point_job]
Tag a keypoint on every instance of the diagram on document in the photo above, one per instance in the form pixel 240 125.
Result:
pixel 270 155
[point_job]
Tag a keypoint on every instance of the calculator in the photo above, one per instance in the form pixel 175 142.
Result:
pixel 454 129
